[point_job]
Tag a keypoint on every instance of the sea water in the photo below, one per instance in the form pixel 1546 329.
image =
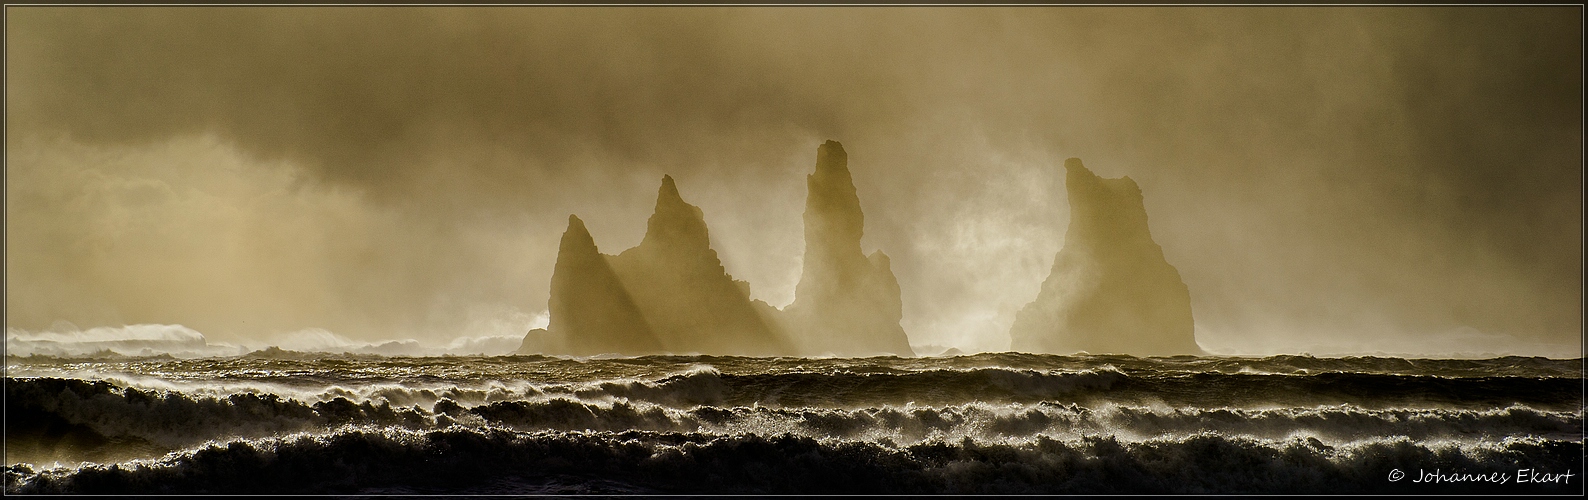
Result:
pixel 285 422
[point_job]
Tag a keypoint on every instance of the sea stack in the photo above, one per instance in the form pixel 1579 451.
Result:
pixel 670 294
pixel 846 303
pixel 687 297
pixel 1111 290
pixel 591 309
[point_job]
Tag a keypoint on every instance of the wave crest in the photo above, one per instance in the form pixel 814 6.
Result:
pixel 462 461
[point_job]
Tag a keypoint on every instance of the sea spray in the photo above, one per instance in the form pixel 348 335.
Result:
pixel 989 423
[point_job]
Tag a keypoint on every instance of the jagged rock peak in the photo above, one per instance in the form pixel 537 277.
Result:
pixel 834 223
pixel 675 222
pixel 1110 289
pixel 845 303
pixel 832 175
pixel 577 234
pixel 1075 164
pixel 669 201
pixel 668 193
pixel 831 158
pixel 591 312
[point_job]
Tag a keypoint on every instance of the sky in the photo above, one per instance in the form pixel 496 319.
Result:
pixel 1326 180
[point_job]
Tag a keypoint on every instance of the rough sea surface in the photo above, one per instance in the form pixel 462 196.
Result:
pixel 285 422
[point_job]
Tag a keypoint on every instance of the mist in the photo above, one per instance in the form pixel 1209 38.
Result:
pixel 1326 180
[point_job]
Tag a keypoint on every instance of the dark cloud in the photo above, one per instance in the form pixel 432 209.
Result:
pixel 1351 172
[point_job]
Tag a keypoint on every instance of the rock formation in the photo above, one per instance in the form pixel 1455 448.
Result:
pixel 682 290
pixel 591 309
pixel 1110 291
pixel 670 294
pixel 535 342
pixel 846 303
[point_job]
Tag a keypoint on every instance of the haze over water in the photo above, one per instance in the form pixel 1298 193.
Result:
pixel 1326 180
pixel 382 250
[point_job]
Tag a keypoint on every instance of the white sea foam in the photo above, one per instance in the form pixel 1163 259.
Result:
pixel 1037 425
pixel 182 342
pixel 129 340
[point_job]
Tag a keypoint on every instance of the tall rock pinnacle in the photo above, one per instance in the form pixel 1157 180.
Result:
pixel 676 224
pixel 845 303
pixel 1110 290
pixel 672 294
pixel 685 294
pixel 591 311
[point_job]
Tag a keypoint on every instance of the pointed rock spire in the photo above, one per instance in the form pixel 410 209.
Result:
pixel 591 311
pixel 844 303
pixel 1110 290
pixel 683 290
pixel 676 223
pixel 671 293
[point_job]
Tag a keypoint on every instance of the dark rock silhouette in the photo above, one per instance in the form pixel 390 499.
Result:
pixel 669 294
pixel 846 303
pixel 682 290
pixel 1110 291
pixel 535 342
pixel 591 309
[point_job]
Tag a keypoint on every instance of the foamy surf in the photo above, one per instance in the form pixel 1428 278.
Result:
pixel 990 423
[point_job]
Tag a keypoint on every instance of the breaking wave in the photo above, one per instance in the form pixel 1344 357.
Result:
pixel 362 460
pixel 177 341
pixel 279 421
pixel 103 418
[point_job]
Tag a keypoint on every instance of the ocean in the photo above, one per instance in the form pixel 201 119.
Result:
pixel 305 423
